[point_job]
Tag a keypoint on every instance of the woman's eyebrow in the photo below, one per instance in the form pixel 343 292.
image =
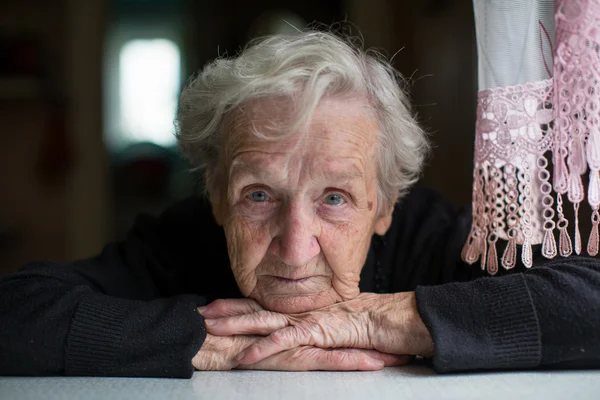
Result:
pixel 241 170
pixel 258 165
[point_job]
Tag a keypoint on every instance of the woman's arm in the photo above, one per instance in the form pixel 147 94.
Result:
pixel 522 318
pixel 124 312
pixel 548 316
pixel 55 323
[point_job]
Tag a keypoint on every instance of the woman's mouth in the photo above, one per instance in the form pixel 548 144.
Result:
pixel 291 281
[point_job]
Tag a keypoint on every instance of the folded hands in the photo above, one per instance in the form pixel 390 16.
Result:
pixel 366 333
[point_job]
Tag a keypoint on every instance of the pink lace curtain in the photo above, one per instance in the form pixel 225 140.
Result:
pixel 537 144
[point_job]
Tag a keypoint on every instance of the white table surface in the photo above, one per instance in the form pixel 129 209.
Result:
pixel 411 382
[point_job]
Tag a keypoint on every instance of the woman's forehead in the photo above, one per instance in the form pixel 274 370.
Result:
pixel 335 140
pixel 261 164
pixel 268 124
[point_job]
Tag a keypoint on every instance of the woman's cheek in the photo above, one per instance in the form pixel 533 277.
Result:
pixel 345 247
pixel 247 242
pixel 336 216
pixel 339 246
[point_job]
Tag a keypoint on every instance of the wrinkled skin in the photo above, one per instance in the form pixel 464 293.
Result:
pixel 299 212
pixel 387 323
pixel 298 215
pixel 222 352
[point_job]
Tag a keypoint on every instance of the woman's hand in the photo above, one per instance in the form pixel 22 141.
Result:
pixel 387 323
pixel 221 352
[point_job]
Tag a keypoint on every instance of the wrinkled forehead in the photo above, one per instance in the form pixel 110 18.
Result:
pixel 280 122
pixel 271 117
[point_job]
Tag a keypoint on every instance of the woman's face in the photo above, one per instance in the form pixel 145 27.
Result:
pixel 299 212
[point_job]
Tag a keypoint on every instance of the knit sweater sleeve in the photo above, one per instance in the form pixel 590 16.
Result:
pixel 543 317
pixel 122 313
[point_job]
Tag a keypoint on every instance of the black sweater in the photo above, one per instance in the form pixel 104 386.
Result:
pixel 131 311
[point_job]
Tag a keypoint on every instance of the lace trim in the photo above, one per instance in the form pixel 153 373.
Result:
pixel 518 128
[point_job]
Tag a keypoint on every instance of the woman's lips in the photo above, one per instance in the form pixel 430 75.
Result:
pixel 291 280
pixel 274 285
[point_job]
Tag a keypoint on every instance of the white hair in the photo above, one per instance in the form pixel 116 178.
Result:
pixel 305 66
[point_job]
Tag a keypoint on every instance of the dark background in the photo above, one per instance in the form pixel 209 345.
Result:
pixel 64 191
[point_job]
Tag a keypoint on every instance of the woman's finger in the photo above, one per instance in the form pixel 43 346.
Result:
pixel 218 352
pixel 259 323
pixel 308 358
pixel 281 340
pixel 292 337
pixel 390 360
pixel 229 307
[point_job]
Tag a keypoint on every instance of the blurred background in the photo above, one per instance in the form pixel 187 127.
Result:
pixel 88 91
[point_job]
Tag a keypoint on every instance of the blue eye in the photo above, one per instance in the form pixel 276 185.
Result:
pixel 334 199
pixel 259 196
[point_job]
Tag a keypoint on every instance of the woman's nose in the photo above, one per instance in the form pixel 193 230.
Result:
pixel 296 244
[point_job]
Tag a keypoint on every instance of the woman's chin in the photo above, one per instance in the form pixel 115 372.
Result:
pixel 296 303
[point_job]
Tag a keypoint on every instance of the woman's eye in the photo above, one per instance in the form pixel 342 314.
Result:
pixel 334 199
pixel 259 196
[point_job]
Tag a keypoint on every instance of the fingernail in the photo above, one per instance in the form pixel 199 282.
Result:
pixel 202 309
pixel 210 322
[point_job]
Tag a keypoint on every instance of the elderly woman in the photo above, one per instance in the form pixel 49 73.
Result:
pixel 309 254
